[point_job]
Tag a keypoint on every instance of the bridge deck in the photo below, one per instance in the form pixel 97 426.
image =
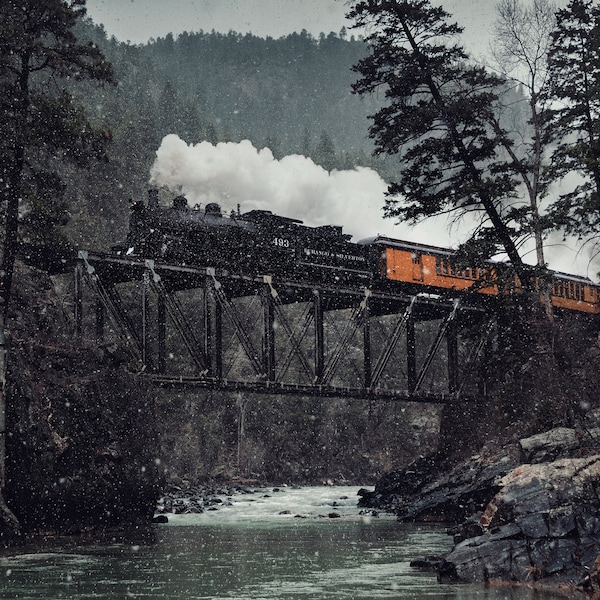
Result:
pixel 288 389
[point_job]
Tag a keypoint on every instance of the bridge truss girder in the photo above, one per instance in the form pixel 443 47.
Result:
pixel 273 335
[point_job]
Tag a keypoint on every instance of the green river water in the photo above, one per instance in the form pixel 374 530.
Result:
pixel 248 550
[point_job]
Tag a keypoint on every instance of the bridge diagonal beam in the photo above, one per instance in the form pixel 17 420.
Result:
pixel 473 358
pixel 230 312
pixel 354 322
pixel 435 345
pixel 393 340
pixel 305 321
pixel 175 311
pixel 293 338
pixel 112 303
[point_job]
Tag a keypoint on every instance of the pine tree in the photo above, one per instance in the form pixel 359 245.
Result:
pixel 325 152
pixel 40 126
pixel 168 109
pixel 574 62
pixel 440 119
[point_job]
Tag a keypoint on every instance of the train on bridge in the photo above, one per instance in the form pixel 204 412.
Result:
pixel 259 242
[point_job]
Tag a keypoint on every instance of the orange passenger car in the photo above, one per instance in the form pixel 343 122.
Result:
pixel 574 293
pixel 429 266
pixel 433 267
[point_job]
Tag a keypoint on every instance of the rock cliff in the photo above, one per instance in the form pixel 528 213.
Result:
pixel 81 445
pixel 529 512
pixel 543 524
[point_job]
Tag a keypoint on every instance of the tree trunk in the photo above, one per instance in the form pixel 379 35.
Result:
pixel 9 525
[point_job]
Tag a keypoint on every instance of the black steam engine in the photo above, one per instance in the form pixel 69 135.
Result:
pixel 257 242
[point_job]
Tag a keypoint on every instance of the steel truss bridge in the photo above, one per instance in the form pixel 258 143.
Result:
pixel 199 327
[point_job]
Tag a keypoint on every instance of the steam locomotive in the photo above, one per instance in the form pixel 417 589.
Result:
pixel 259 242
pixel 254 243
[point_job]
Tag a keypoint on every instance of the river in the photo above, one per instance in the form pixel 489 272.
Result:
pixel 265 545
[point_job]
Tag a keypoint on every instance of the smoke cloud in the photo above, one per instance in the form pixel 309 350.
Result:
pixel 238 173
pixel 233 174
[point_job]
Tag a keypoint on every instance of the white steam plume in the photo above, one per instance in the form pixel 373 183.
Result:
pixel 237 173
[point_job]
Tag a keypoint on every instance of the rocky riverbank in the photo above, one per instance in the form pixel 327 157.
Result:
pixel 196 499
pixel 528 513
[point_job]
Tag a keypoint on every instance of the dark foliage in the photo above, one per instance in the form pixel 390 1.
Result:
pixel 40 124
pixel 574 62
pixel 83 447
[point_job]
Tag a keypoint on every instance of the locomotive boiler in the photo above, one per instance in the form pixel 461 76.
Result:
pixel 257 242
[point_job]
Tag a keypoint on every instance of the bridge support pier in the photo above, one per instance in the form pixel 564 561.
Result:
pixel 367 380
pixel 145 307
pixel 100 321
pixel 452 348
pixel 161 322
pixel 268 333
pixel 319 337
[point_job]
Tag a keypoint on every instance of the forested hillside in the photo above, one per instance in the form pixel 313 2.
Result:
pixel 292 95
